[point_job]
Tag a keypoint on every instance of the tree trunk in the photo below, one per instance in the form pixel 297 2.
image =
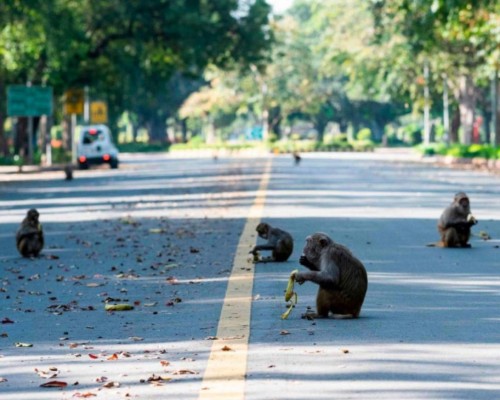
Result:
pixel 467 106
pixel 66 133
pixel 455 124
pixel 21 141
pixel 4 148
pixel 184 130
pixel 157 130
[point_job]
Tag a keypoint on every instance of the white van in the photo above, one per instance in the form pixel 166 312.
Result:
pixel 95 147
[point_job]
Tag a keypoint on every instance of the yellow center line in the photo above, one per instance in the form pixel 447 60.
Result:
pixel 225 373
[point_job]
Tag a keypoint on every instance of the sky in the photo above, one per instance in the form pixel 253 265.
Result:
pixel 280 5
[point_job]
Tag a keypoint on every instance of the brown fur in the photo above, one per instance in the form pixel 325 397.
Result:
pixel 29 237
pixel 341 277
pixel 455 223
pixel 278 241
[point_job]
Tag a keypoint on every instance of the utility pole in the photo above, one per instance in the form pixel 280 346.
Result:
pixel 427 124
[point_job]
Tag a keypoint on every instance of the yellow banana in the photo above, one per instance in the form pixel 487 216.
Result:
pixel 290 295
pixel 291 282
pixel 290 307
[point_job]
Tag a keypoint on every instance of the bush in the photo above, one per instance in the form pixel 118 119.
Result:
pixel 141 147
pixel 364 134
pixel 461 151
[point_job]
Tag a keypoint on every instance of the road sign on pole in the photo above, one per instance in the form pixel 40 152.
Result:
pixel 98 112
pixel 73 101
pixel 29 101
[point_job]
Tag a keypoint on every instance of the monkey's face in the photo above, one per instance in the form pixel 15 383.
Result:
pixel 263 230
pixel 464 205
pixel 33 215
pixel 315 244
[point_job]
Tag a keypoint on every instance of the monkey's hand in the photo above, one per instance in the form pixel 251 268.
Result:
pixel 471 220
pixel 299 278
pixel 305 262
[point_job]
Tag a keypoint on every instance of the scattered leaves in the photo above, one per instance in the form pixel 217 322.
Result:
pixel 227 348
pixel 52 384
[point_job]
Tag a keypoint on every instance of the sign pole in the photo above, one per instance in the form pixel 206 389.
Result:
pixel 73 138
pixel 30 140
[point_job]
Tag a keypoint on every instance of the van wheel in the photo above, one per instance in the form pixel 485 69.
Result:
pixel 83 166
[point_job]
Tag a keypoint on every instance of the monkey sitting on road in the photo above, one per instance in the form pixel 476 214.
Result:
pixel 278 241
pixel 29 237
pixel 341 277
pixel 68 172
pixel 296 157
pixel 455 223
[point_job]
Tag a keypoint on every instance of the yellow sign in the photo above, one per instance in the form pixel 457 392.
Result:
pixel 98 112
pixel 73 101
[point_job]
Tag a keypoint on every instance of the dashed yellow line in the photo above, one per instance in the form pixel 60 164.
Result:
pixel 225 373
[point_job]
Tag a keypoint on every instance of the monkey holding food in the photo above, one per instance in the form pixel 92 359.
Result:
pixel 29 237
pixel 278 241
pixel 455 223
pixel 341 277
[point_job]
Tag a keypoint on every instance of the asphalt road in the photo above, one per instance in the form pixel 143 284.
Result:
pixel 161 233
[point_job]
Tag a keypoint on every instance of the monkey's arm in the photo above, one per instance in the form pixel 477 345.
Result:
pixel 262 247
pixel 325 279
pixel 27 232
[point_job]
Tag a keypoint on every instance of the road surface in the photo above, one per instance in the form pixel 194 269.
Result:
pixel 170 236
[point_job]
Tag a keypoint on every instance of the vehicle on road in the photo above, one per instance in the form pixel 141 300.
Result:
pixel 95 147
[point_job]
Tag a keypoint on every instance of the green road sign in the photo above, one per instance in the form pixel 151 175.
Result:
pixel 29 101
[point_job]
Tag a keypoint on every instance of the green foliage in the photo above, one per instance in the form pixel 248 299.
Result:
pixel 141 147
pixel 364 134
pixel 461 151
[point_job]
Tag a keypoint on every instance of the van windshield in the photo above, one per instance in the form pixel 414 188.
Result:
pixel 92 135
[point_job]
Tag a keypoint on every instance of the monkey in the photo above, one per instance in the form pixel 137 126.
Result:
pixel 278 241
pixel 455 223
pixel 341 277
pixel 68 171
pixel 29 237
pixel 296 157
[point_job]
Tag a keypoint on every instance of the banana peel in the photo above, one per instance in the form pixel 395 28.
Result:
pixel 290 295
pixel 484 235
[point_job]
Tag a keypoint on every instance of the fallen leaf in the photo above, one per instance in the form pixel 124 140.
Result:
pixel 165 363
pixel 101 379
pixel 21 344
pixel 94 284
pixel 345 351
pixel 52 373
pixel 114 356
pixel 284 332
pixel 7 321
pixel 84 395
pixel 110 385
pixel 57 384
pixel 185 372
pixel 157 230
pixel 93 356
pixel 3 380
pixel 227 348
pixel 136 338
pixel 172 280
pixel 150 304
